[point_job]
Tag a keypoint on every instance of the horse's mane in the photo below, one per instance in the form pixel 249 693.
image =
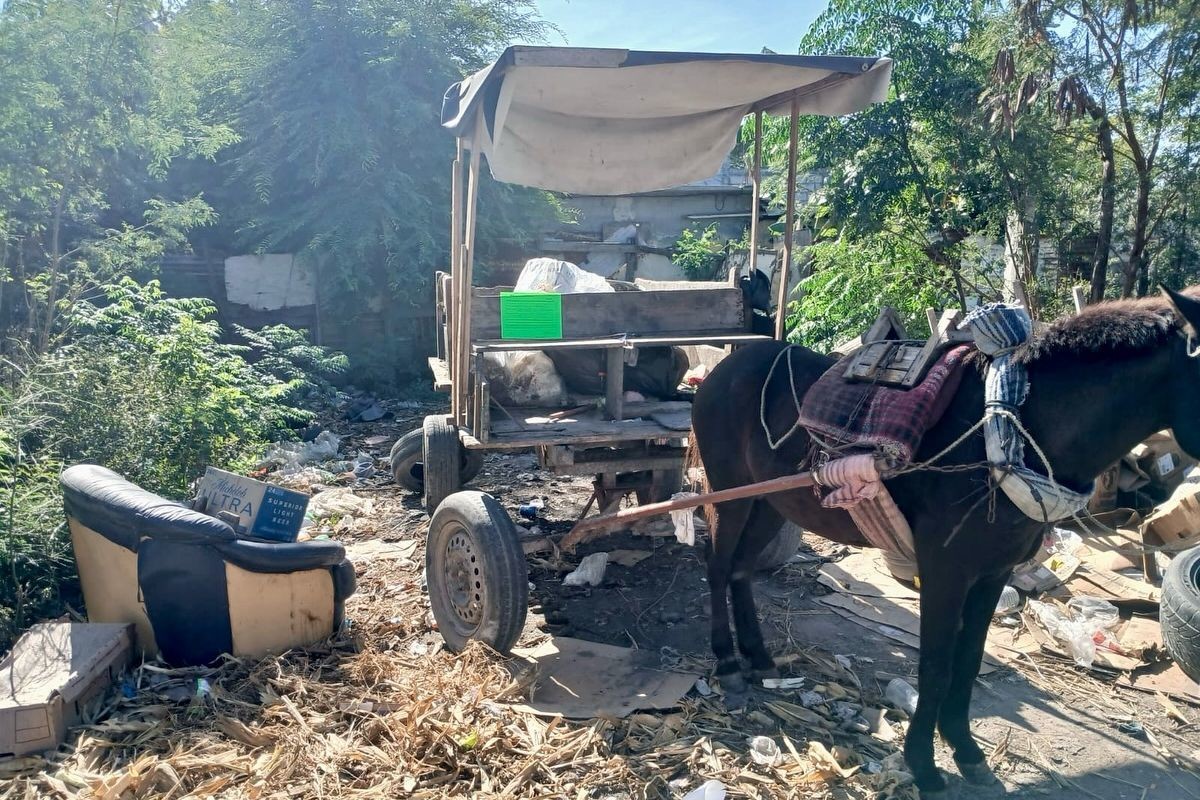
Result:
pixel 1106 330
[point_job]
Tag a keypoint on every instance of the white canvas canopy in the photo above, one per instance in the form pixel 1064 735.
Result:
pixel 608 121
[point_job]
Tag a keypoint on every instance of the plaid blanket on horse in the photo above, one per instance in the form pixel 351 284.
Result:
pixel 882 419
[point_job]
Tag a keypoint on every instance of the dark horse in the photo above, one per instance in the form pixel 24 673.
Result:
pixel 1100 383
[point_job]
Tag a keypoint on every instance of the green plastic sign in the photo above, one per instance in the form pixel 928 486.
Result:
pixel 530 315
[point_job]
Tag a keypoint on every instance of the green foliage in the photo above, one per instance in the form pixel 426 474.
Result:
pixel 851 281
pixel 146 388
pixel 700 256
pixel 341 156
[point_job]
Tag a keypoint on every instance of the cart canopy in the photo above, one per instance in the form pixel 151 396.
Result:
pixel 607 121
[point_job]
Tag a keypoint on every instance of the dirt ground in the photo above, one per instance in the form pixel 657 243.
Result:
pixel 382 710
pixel 1054 730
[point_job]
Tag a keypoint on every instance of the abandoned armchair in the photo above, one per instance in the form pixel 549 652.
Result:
pixel 190 585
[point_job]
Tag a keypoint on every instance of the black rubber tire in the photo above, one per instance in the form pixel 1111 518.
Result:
pixel 1179 612
pixel 407 453
pixel 408 461
pixel 781 548
pixel 476 573
pixel 441 472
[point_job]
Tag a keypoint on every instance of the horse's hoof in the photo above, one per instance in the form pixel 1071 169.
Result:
pixel 760 675
pixel 978 774
pixel 733 683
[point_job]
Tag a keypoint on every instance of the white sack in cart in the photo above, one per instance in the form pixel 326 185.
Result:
pixel 563 277
pixel 524 378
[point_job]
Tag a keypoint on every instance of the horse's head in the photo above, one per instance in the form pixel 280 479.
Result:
pixel 1185 374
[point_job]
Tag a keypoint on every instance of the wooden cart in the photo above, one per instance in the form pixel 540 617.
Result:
pixel 589 121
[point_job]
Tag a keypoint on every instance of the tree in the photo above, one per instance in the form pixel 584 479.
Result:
pixel 1130 68
pixel 341 157
pixel 83 120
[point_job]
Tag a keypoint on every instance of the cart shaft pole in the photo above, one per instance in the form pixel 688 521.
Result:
pixel 785 269
pixel 586 529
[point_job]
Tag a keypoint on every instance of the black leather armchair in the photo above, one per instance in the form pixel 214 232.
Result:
pixel 192 588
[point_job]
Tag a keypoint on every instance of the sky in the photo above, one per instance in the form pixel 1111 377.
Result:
pixel 718 26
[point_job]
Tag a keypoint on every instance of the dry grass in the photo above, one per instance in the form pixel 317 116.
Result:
pixel 371 714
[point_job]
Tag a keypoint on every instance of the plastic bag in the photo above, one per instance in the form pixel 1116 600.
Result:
pixel 292 456
pixel 341 502
pixel 1086 620
pixel 709 790
pixel 562 277
pixel 685 520
pixel 590 571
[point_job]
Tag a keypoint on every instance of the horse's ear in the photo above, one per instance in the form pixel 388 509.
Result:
pixel 1188 308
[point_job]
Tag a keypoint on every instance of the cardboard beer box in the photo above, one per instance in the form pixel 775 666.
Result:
pixel 264 510
pixel 51 678
pixel 1162 460
pixel 1176 520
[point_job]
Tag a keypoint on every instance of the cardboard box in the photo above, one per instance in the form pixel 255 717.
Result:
pixel 263 509
pixel 1163 460
pixel 53 672
pixel 1176 520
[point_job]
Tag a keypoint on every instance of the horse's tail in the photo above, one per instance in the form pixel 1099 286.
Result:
pixel 697 478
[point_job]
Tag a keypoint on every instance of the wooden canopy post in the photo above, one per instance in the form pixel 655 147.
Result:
pixel 756 183
pixel 785 269
pixel 453 302
pixel 467 261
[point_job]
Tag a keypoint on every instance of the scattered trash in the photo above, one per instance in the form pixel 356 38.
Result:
pixel 878 724
pixel 1063 541
pixel 339 502
pixel 1010 600
pixel 811 699
pixel 782 683
pixel 364 467
pixel 590 571
pixel 902 695
pixel 709 790
pixel 634 397
pixel 685 520
pixel 292 456
pixel 532 509
pixel 702 687
pixel 844 661
pixel 764 751
pixel 1133 728
pixel 1081 628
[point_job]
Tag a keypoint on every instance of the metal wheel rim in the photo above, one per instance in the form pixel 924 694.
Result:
pixel 466 583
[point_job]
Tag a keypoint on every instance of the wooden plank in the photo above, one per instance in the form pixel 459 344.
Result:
pixel 441 374
pixel 507 435
pixel 614 382
pixel 680 340
pixel 699 311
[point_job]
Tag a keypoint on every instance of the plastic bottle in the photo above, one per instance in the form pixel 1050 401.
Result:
pixel 1009 601
pixel 902 695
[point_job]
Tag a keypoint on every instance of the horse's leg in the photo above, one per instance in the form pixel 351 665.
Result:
pixel 761 527
pixel 954 719
pixel 943 593
pixel 731 521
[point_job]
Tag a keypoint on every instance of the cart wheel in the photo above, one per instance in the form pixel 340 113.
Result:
pixel 666 483
pixel 781 548
pixel 440 472
pixel 476 573
pixel 408 465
